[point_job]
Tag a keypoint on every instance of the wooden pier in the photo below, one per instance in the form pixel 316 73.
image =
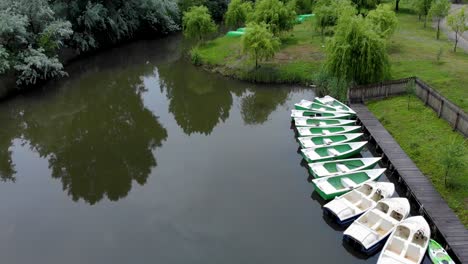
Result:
pixel 445 225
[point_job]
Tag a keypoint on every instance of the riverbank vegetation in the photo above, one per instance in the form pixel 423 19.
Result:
pixel 432 153
pixel 33 32
pixel 412 50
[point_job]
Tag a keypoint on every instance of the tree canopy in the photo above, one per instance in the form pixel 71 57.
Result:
pixel 329 11
pixel 439 9
pixel 33 31
pixel 197 23
pixel 384 20
pixel 259 42
pixel 458 24
pixel 276 14
pixel 357 52
pixel 237 13
pixel 422 8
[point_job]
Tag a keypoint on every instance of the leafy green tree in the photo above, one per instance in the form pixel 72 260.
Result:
pixel 422 8
pixel 364 5
pixel 237 13
pixel 197 23
pixel 439 9
pixel 458 23
pixel 384 20
pixel 259 42
pixel 356 52
pixel 33 65
pixel 4 63
pixel 276 14
pixel 453 160
pixel 329 11
pixel 217 7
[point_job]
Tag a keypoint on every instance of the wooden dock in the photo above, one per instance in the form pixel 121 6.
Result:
pixel 445 225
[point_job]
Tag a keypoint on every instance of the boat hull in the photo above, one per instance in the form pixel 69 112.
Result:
pixel 366 167
pixel 336 219
pixel 329 196
pixel 359 247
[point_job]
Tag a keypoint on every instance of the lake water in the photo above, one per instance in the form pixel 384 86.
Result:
pixel 140 157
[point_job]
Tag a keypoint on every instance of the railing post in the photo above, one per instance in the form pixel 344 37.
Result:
pixel 456 121
pixel 441 107
pixel 427 97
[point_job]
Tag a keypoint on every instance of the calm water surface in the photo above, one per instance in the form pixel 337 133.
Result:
pixel 139 157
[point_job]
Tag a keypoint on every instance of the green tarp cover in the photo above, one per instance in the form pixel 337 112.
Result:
pixel 234 34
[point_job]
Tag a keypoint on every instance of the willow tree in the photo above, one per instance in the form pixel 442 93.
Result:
pixel 384 20
pixel 197 23
pixel 259 42
pixel 237 13
pixel 276 14
pixel 329 11
pixel 439 9
pixel 356 52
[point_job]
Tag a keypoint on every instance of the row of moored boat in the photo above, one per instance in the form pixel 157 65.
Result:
pixel 329 138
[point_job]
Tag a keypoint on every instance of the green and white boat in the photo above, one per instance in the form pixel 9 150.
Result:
pixel 337 167
pixel 339 151
pixel 319 115
pixel 330 101
pixel 315 106
pixel 326 130
pixel 310 122
pixel 438 254
pixel 322 141
pixel 330 187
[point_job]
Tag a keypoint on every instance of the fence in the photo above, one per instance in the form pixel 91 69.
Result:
pixel 444 108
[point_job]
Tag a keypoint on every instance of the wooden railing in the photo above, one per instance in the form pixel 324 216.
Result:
pixel 444 108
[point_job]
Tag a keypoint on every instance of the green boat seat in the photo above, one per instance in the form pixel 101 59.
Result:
pixel 326 132
pixel 347 182
pixel 327 141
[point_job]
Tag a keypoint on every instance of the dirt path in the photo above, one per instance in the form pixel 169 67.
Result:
pixel 462 39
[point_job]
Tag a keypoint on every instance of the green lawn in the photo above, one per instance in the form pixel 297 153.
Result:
pixel 413 51
pixel 422 135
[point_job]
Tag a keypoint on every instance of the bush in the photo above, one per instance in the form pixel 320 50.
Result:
pixel 328 84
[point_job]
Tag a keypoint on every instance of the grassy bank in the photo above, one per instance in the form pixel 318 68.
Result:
pixel 300 56
pixel 422 135
pixel 413 51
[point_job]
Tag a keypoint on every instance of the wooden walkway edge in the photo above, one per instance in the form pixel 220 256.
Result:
pixel 445 225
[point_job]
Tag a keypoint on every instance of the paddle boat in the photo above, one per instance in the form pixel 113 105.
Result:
pixel 330 187
pixel 326 130
pixel 319 115
pixel 408 242
pixel 336 167
pixel 315 106
pixel 330 101
pixel 347 207
pixel 437 253
pixel 310 122
pixel 369 231
pixel 322 141
pixel 338 151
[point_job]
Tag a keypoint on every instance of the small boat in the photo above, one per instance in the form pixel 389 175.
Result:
pixel 310 122
pixel 315 106
pixel 326 130
pixel 336 167
pixel 438 254
pixel 319 115
pixel 330 101
pixel 408 242
pixel 370 230
pixel 349 206
pixel 322 141
pixel 338 151
pixel 330 187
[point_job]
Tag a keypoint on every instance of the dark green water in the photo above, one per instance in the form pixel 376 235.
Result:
pixel 139 157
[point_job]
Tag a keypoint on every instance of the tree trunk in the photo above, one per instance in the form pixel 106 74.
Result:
pixel 256 60
pixel 425 21
pixel 438 28
pixel 445 180
pixel 397 5
pixel 456 42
